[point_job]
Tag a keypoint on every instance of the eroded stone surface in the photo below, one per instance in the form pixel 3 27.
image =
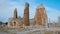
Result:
pixel 41 16
pixel 26 15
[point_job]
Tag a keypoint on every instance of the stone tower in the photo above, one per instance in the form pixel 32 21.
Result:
pixel 15 21
pixel 26 15
pixel 15 13
pixel 41 16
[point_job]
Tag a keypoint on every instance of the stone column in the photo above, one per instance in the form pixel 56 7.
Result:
pixel 15 13
pixel 26 15
pixel 9 23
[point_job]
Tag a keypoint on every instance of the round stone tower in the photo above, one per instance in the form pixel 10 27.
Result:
pixel 41 16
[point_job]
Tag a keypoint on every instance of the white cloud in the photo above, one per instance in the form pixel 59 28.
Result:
pixel 1 1
pixel 53 13
pixel 7 9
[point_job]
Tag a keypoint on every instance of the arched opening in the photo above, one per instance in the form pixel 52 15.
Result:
pixel 14 23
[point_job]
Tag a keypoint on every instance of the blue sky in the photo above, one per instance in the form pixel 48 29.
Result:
pixel 7 8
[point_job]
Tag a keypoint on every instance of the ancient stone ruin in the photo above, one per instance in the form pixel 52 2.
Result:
pixel 40 18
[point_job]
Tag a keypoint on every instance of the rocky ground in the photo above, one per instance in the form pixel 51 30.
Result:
pixel 27 31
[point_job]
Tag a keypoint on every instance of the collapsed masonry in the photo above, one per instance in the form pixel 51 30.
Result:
pixel 39 19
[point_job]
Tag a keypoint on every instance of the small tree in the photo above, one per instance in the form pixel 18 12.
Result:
pixel 1 23
pixel 6 23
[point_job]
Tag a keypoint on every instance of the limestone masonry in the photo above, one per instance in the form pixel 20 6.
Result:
pixel 40 18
